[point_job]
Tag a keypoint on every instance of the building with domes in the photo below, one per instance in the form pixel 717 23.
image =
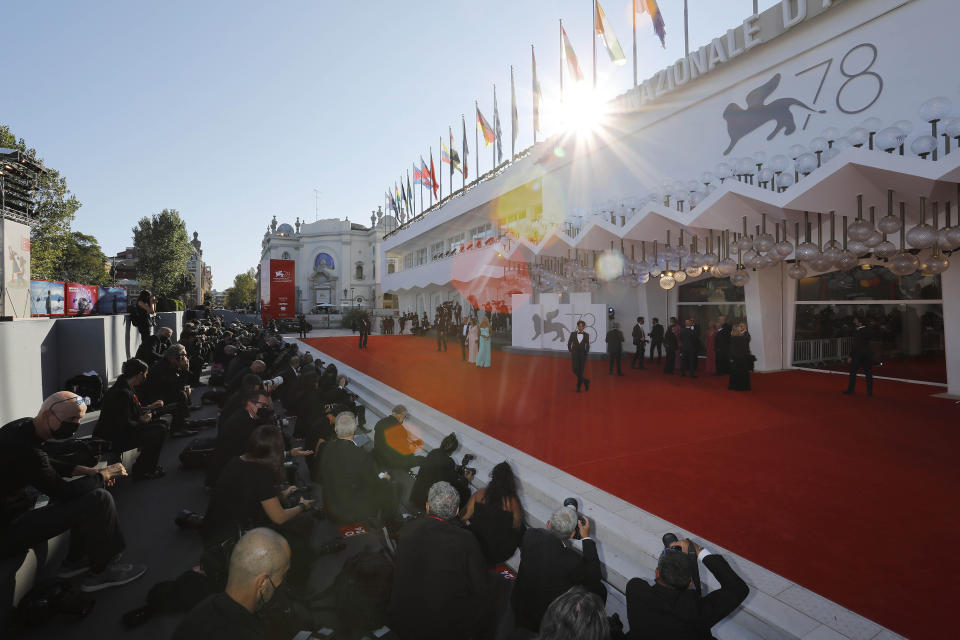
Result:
pixel 336 262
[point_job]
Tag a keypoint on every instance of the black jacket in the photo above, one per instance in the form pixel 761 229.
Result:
pixel 231 442
pixel 721 342
pixel 656 333
pixel 861 343
pixel 440 582
pixel 349 478
pixel 165 382
pixel 576 347
pixel 219 617
pixel 670 339
pixel 119 415
pixel 435 467
pixel 689 340
pixel 639 335
pixel 658 611
pixel 151 350
pixel 24 463
pixel 614 341
pixel 547 569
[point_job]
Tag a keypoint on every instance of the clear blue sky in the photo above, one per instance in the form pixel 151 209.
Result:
pixel 233 111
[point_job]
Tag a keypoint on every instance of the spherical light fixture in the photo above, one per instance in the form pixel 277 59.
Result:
pixel 858 248
pixel 935 108
pixel 903 263
pixel 922 145
pixel 797 271
pixel 888 139
pixel 846 260
pixel 784 248
pixel 667 282
pixel 885 249
pixel 888 224
pixel 875 238
pixel 739 278
pixel 764 242
pixel 860 230
pixel 806 251
pixel 922 236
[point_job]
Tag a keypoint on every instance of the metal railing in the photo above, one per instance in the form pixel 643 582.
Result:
pixel 821 350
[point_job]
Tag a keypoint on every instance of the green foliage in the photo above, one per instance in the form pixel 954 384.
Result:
pixel 56 208
pixel 163 250
pixel 351 317
pixel 243 293
pixel 83 261
pixel 208 299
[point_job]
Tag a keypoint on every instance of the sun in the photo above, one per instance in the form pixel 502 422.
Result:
pixel 582 110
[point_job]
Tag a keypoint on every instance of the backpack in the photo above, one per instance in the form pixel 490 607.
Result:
pixel 198 453
pixel 89 385
pixel 362 591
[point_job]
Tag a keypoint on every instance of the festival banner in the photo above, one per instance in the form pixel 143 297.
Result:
pixel 46 298
pixel 282 289
pixel 81 299
pixel 112 300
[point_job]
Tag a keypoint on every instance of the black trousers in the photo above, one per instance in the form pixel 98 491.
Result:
pixel 723 362
pixel 656 345
pixel 91 519
pixel 579 361
pixel 615 357
pixel 671 358
pixel 689 363
pixel 638 357
pixel 149 438
pixel 865 363
pixel 363 340
pixel 463 347
pixel 441 339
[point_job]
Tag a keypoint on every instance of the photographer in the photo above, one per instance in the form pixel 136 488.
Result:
pixel 393 445
pixel 142 315
pixel 438 466
pixel 170 381
pixel 669 608
pixel 122 423
pixel 83 506
pixel 234 432
pixel 344 400
pixel 548 567
pixel 152 349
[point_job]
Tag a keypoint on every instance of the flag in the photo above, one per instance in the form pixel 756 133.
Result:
pixel 403 195
pixel 466 149
pixel 605 31
pixel 537 95
pixel 425 174
pixel 396 193
pixel 391 201
pixel 417 175
pixel 650 6
pixel 433 176
pixel 454 156
pixel 444 153
pixel 485 129
pixel 410 193
pixel 573 67
pixel 513 113
pixel 496 126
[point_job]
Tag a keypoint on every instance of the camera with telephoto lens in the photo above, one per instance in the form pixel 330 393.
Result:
pixel 691 555
pixel 573 504
pixel 272 383
pixel 84 452
pixel 463 469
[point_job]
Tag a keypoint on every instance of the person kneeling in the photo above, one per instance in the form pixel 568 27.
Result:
pixel 669 608
pixel 258 564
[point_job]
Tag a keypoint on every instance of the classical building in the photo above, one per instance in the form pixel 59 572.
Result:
pixel 336 261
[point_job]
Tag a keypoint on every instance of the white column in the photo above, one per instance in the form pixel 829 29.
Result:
pixel 764 297
pixel 950 281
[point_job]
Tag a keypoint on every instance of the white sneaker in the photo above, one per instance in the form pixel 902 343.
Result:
pixel 113 576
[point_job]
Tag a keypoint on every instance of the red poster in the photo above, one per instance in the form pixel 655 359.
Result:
pixel 81 299
pixel 282 289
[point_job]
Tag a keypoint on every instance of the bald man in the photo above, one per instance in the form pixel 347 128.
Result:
pixel 83 506
pixel 258 565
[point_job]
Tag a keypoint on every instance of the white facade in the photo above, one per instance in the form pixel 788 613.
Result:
pixel 337 262
pixel 697 148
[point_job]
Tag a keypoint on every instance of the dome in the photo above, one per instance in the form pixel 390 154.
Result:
pixel 285 229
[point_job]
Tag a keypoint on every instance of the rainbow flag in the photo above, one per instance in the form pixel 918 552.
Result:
pixel 650 7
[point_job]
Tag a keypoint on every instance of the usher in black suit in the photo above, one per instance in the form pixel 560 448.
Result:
pixel 579 350
pixel 861 357
pixel 659 611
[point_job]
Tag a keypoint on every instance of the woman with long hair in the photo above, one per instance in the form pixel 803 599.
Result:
pixel 741 360
pixel 483 351
pixel 472 337
pixel 496 515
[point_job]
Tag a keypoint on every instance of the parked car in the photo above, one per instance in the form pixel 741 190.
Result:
pixel 291 325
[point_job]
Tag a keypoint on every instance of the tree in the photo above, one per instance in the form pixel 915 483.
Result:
pixel 163 249
pixel 83 261
pixel 56 207
pixel 243 293
pixel 208 299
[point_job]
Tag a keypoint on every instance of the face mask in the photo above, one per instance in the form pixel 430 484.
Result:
pixel 66 430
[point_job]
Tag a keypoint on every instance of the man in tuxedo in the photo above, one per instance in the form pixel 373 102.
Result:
pixel 364 330
pixel 615 347
pixel 464 341
pixel 689 349
pixel 441 329
pixel 640 343
pixel 861 357
pixel 578 344
pixel 671 345
pixel 440 584
pixel 721 346
pixel 548 567
pixel 670 609
pixel 656 340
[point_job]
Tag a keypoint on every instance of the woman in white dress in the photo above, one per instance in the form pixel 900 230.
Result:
pixel 472 336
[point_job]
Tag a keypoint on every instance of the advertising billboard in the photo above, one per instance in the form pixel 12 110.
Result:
pixel 112 300
pixel 282 289
pixel 46 298
pixel 15 244
pixel 81 299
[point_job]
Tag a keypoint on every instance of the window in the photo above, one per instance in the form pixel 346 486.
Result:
pixel 391 267
pixel 421 257
pixel 285 256
pixel 436 250
pixel 705 300
pixel 358 275
pixel 455 242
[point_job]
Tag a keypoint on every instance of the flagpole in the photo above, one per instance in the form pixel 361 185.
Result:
pixel 562 58
pixel 463 174
pixel 513 125
pixel 634 7
pixel 493 156
pixel 594 38
pixel 533 66
pixel 421 185
pixel 686 31
pixel 476 139
pixel 440 177
pixel 431 177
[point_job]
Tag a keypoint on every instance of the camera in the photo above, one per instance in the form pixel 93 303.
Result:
pixel 573 504
pixel 691 555
pixel 463 468
pixel 272 383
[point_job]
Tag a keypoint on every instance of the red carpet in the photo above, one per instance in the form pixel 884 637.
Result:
pixel 854 498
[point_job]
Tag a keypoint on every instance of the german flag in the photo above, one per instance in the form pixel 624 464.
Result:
pixel 485 129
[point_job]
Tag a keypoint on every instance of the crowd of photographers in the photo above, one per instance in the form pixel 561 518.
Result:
pixel 291 447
